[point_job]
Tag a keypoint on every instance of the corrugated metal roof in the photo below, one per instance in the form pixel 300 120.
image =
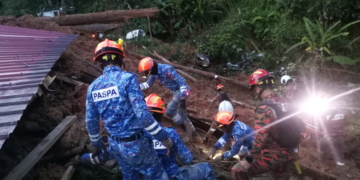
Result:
pixel 26 57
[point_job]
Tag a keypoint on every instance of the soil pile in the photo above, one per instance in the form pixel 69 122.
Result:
pixel 71 100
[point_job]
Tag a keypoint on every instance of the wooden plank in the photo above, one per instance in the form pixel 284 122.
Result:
pixel 68 173
pixel 33 157
pixel 70 81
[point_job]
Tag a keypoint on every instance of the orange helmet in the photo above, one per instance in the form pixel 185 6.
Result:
pixel 219 86
pixel 259 77
pixel 224 118
pixel 108 46
pixel 155 103
pixel 145 65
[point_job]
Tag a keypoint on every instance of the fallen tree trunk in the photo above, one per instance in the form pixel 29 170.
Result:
pixel 180 71
pixel 61 156
pixel 196 71
pixel 96 28
pixel 242 104
pixel 101 17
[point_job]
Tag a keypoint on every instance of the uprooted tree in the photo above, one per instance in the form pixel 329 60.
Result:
pixel 102 17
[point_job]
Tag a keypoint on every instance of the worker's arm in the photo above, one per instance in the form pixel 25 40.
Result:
pixel 215 98
pixel 264 115
pixel 141 110
pixel 172 74
pixel 148 83
pixel 239 140
pixel 184 154
pixel 222 141
pixel 92 121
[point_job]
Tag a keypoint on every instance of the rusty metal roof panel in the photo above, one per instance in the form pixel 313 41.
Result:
pixel 26 57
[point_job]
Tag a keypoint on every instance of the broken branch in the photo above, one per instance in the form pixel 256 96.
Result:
pixel 180 71
pixel 196 71
pixel 101 17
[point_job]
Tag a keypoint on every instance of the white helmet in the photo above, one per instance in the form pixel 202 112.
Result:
pixel 285 79
pixel 226 106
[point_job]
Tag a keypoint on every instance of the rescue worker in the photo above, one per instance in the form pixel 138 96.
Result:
pixel 266 154
pixel 224 105
pixel 199 171
pixel 196 171
pixel 167 75
pixel 290 87
pixel 243 136
pixel 116 98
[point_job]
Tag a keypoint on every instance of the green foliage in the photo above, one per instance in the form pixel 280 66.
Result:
pixel 255 25
pixel 318 40
pixel 192 15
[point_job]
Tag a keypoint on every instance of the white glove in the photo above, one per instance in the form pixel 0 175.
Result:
pixel 144 86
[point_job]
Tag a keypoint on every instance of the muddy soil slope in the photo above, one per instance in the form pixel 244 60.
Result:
pixel 70 100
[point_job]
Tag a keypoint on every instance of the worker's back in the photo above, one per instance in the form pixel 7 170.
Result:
pixel 110 94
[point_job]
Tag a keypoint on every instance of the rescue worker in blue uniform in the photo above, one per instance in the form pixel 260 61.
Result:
pixel 243 136
pixel 116 98
pixel 199 171
pixel 167 75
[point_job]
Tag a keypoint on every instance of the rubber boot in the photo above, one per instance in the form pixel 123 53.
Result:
pixel 176 119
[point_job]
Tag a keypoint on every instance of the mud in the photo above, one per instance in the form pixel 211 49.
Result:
pixel 71 100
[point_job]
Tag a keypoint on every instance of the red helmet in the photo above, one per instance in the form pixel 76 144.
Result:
pixel 108 46
pixel 155 103
pixel 224 118
pixel 259 77
pixel 219 86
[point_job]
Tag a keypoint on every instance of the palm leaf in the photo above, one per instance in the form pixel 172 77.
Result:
pixel 335 36
pixel 309 27
pixel 307 40
pixel 332 27
pixel 354 41
pixel 294 46
pixel 344 60
pixel 326 49
pixel 321 28
pixel 255 19
pixel 347 25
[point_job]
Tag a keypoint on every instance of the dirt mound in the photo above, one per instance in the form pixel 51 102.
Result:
pixel 69 100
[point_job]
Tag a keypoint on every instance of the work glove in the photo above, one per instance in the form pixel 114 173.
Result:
pixel 168 144
pixel 144 86
pixel 184 92
pixel 212 152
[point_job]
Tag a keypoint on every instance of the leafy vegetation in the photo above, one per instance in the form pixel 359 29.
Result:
pixel 319 40
pixel 226 29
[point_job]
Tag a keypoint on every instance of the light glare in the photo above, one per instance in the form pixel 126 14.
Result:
pixel 315 105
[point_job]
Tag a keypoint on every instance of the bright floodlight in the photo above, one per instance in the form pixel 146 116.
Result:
pixel 315 105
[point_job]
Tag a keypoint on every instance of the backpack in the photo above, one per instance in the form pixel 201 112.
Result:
pixel 290 129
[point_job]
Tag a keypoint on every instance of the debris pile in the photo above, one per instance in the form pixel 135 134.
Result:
pixel 71 100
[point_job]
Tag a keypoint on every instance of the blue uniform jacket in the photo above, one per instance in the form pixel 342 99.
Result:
pixel 116 98
pixel 179 149
pixel 243 136
pixel 167 76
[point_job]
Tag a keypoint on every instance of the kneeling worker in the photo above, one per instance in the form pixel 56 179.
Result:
pixel 198 171
pixel 242 134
